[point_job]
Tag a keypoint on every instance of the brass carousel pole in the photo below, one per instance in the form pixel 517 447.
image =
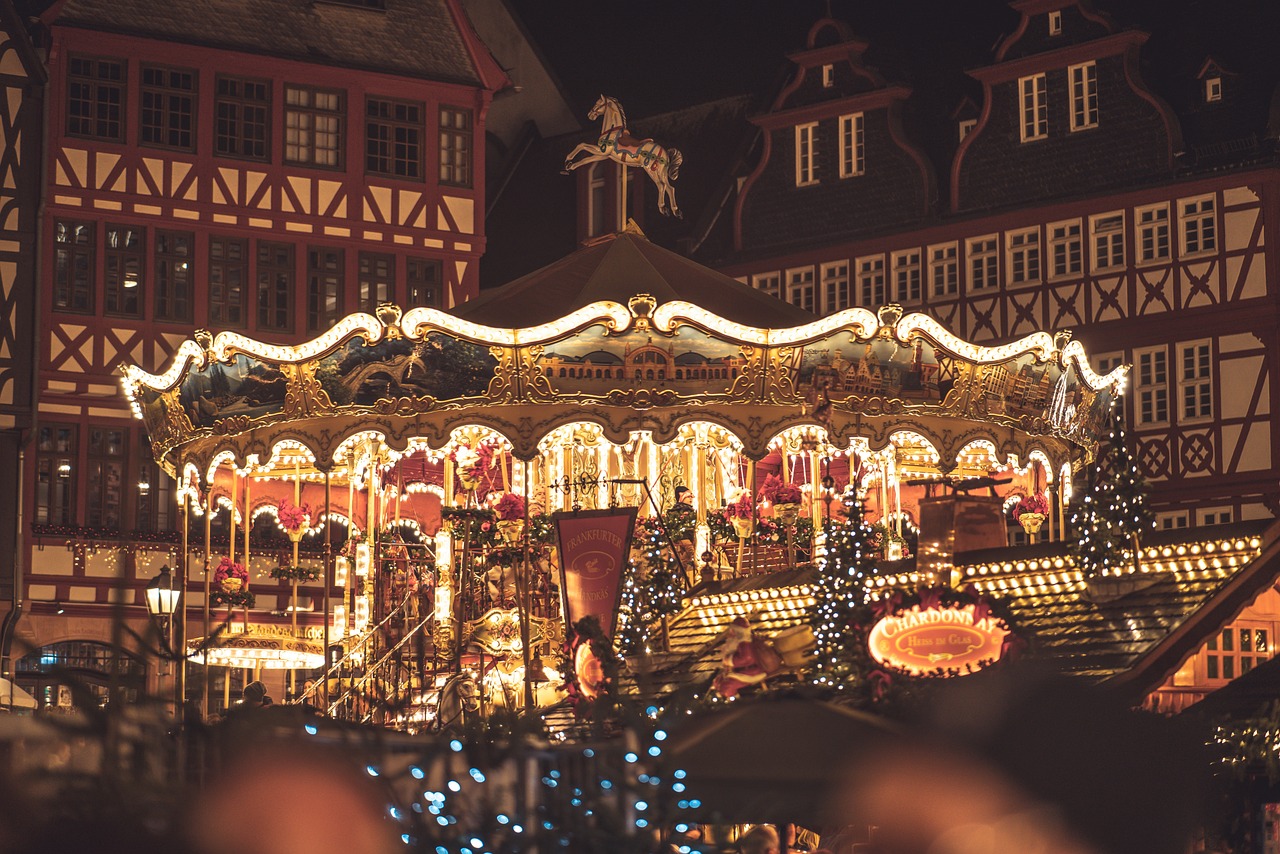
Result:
pixel 180 679
pixel 327 571
pixel 522 587
pixel 208 556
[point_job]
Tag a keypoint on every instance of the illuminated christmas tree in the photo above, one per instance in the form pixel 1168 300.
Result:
pixel 1112 514
pixel 651 590
pixel 840 658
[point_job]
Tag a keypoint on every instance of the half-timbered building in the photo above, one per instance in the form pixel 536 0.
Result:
pixel 266 167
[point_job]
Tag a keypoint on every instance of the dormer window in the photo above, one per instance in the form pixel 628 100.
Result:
pixel 828 76
pixel 967 125
pixel 1213 89
pixel 805 154
pixel 1055 23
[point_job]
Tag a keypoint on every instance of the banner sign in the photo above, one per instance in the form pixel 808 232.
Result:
pixel 925 641
pixel 594 549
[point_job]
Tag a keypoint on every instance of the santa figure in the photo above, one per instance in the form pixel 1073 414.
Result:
pixel 745 660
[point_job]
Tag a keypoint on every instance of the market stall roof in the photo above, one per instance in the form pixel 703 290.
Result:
pixel 1131 632
pixel 616 268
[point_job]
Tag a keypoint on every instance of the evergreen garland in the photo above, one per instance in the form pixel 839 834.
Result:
pixel 1112 514
pixel 840 596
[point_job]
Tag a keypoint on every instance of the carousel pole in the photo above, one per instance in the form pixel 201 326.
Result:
pixel 208 556
pixel 293 595
pixel 327 570
pixel 522 588
pixel 180 616
pixel 248 525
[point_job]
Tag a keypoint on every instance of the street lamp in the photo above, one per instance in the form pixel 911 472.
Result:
pixel 162 596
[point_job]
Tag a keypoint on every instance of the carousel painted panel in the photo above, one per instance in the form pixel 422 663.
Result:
pixel 596 363
pixel 240 387
pixel 439 366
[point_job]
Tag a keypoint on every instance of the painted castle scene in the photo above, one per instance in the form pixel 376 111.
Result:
pixel 593 362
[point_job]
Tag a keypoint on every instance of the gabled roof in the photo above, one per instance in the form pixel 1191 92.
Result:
pixel 1130 634
pixel 414 38
pixel 617 268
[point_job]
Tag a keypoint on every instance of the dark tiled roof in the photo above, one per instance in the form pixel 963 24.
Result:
pixel 1130 632
pixel 618 268
pixel 414 38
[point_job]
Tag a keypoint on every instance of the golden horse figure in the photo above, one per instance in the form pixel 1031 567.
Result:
pixel 615 143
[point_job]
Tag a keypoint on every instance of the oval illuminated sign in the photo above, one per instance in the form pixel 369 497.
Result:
pixel 936 639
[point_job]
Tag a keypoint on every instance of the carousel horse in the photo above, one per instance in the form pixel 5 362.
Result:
pixel 458 701
pixel 615 143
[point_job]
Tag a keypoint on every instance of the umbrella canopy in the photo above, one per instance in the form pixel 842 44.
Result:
pixel 13 697
pixel 775 760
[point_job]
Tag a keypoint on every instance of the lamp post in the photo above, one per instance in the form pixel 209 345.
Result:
pixel 162 602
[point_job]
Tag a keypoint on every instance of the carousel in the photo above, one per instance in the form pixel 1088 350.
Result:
pixel 416 465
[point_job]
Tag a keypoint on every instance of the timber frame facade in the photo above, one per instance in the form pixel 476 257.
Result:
pixel 269 178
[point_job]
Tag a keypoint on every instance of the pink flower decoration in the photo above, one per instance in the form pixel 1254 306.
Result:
pixel 293 517
pixel 510 506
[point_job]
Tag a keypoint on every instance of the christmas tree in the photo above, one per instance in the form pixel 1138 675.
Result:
pixel 651 590
pixel 1112 515
pixel 841 652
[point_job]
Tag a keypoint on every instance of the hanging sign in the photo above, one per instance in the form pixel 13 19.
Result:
pixel 922 641
pixel 594 546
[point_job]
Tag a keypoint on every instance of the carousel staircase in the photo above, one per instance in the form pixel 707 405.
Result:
pixel 380 677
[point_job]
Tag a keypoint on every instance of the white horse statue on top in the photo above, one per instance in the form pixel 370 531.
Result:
pixel 615 143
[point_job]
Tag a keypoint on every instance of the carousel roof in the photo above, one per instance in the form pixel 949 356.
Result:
pixel 616 268
pixel 1130 631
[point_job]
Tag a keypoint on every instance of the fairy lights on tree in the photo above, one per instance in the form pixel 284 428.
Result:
pixel 839 596
pixel 651 590
pixel 1112 515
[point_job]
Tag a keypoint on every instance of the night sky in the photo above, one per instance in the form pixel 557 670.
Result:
pixel 660 55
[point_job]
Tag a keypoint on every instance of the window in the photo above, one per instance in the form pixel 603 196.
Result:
pixel 122 273
pixel 597 204
pixel 1055 23
pixel 455 146
pixel 168 107
pixel 1065 249
pixel 95 98
pixel 800 288
pixel 871 282
pixel 1195 381
pixel 104 497
pixel 1107 362
pixel 770 283
pixel 1108 241
pixel 1213 89
pixel 55 475
pixel 1215 517
pixel 1084 96
pixel 228 273
pixel 966 126
pixel 377 279
pixel 1035 112
pixel 984 263
pixel 393 138
pixel 242 118
pixel 944 270
pixel 424 278
pixel 73 266
pixel 153 491
pixel 828 76
pixel 1153 233
pixel 1024 256
pixel 1171 521
pixel 275 285
pixel 835 287
pixel 805 154
pixel 906 276
pixel 325 268
pixel 313 120
pixel 852 149
pixel 1152 387
pixel 1236 650
pixel 174 250
pixel 1198 224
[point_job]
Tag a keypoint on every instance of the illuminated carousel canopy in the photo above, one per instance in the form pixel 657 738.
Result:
pixel 256 649
pixel 650 365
